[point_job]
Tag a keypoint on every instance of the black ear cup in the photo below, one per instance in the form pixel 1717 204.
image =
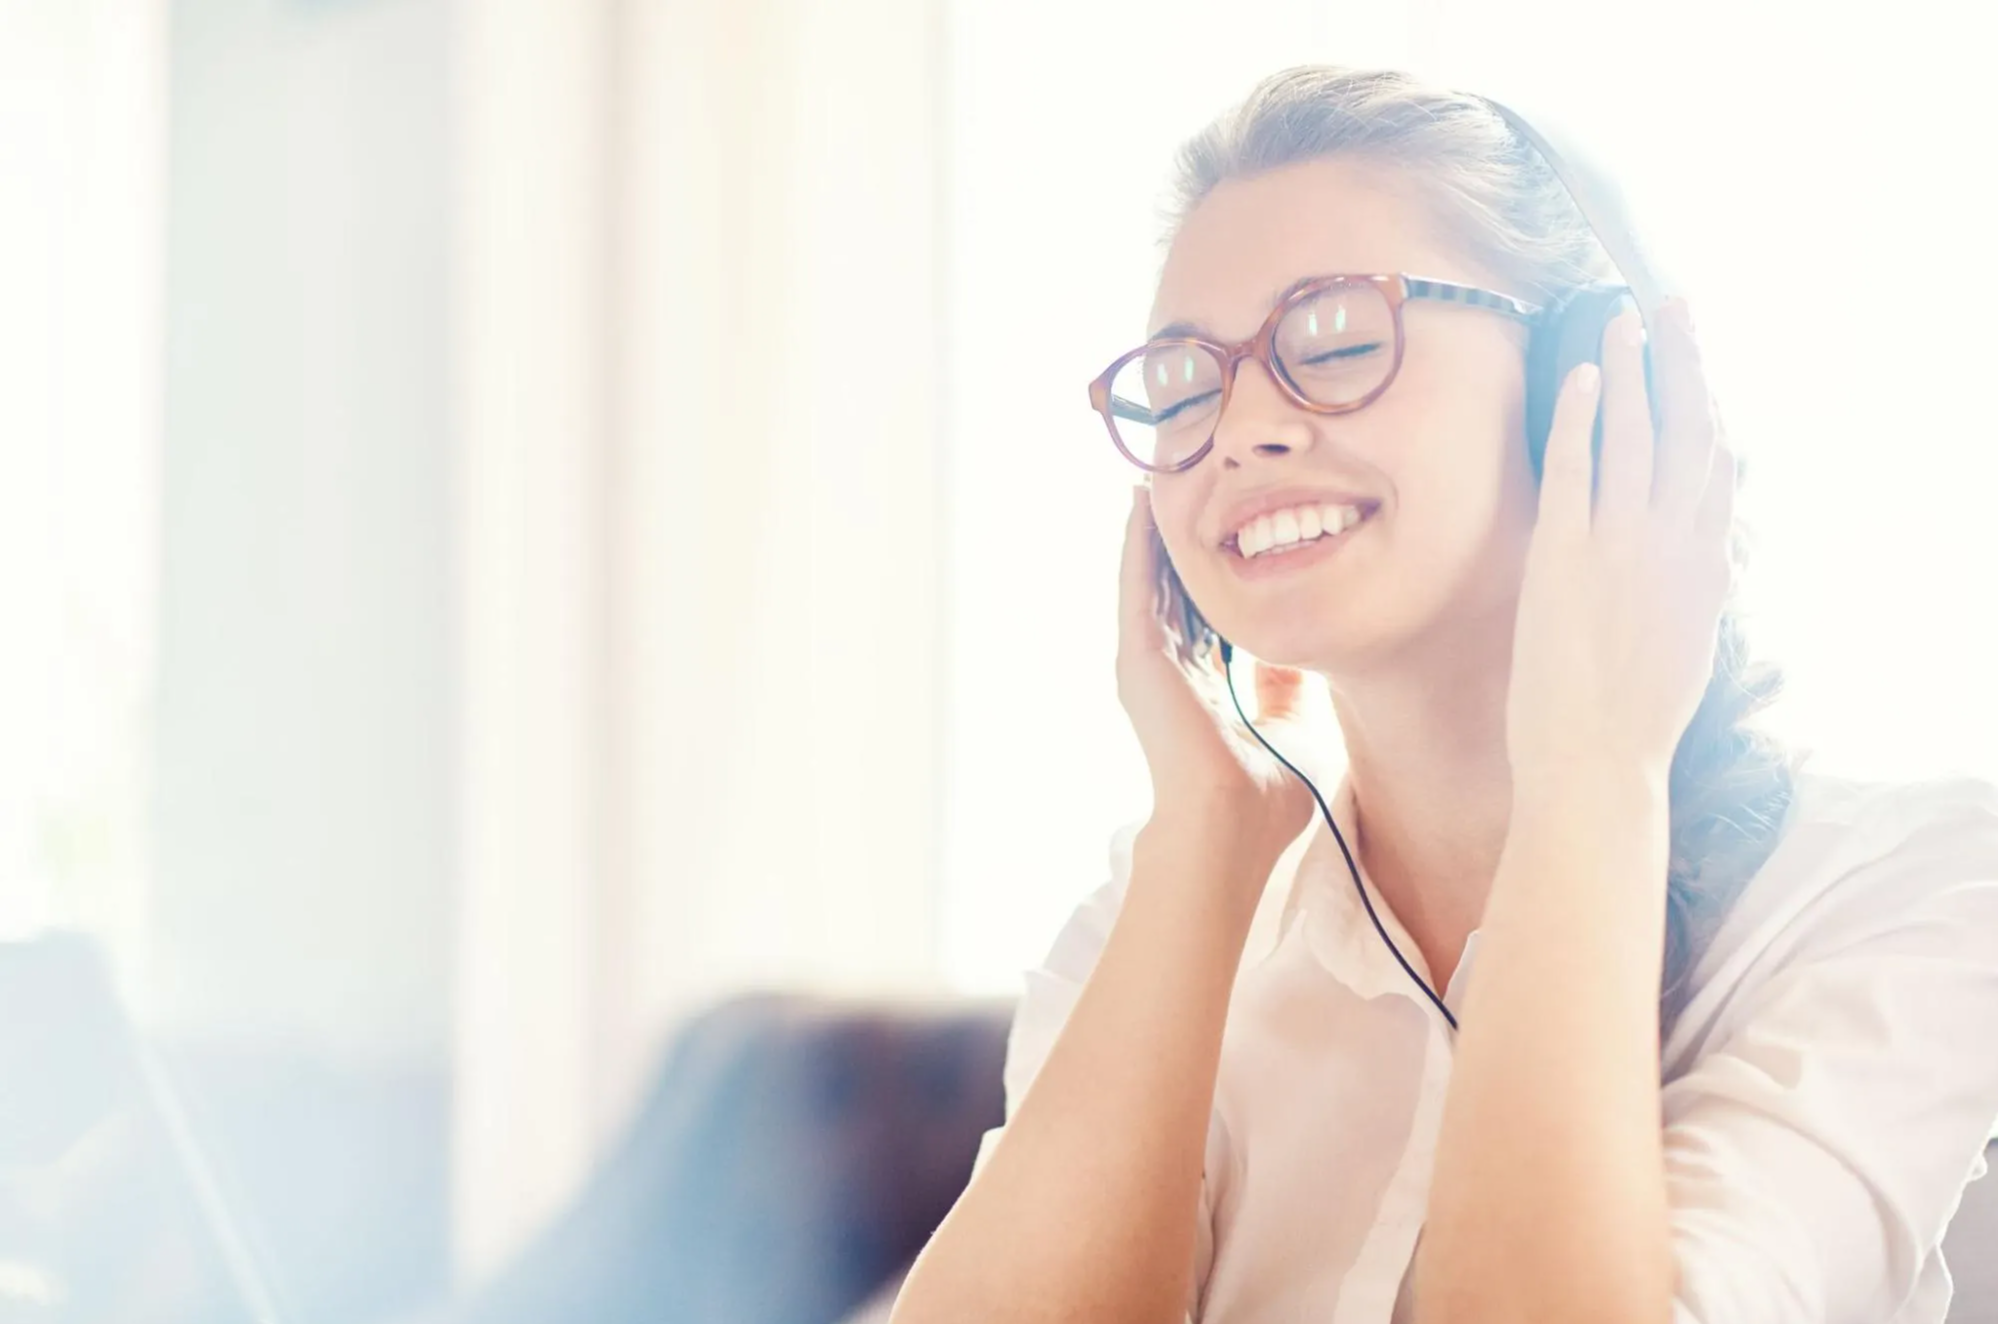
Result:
pixel 1569 335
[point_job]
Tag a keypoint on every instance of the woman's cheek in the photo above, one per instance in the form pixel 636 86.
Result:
pixel 1473 543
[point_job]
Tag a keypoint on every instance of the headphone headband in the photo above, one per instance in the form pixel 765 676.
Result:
pixel 1598 198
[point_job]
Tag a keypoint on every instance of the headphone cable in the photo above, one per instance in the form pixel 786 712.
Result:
pixel 1228 656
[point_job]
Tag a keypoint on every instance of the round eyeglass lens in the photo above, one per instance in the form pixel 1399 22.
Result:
pixel 1164 402
pixel 1338 346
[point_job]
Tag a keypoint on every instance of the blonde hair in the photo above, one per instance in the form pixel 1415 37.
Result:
pixel 1731 786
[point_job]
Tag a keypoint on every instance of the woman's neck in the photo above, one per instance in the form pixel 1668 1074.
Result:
pixel 1432 792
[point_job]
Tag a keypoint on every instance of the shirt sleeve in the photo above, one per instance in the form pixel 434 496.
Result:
pixel 1817 1151
pixel 1050 994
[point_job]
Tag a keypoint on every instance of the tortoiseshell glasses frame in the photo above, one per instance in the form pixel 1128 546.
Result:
pixel 1395 289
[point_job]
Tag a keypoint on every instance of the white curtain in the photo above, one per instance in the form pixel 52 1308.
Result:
pixel 698 339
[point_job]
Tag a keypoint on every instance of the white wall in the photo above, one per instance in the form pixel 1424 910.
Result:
pixel 303 856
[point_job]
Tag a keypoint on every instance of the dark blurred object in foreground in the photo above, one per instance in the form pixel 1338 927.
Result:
pixel 793 1155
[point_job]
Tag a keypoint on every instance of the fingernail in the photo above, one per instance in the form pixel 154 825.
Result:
pixel 1633 330
pixel 1586 379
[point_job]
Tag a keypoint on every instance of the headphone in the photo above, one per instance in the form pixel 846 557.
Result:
pixel 1567 334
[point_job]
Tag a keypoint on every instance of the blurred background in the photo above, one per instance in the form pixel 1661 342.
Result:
pixel 523 520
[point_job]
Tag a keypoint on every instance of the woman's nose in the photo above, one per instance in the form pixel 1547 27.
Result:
pixel 1260 420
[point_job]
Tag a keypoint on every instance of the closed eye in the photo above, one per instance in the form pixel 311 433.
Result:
pixel 1182 406
pixel 1343 352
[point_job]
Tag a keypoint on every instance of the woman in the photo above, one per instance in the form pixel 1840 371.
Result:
pixel 1677 1030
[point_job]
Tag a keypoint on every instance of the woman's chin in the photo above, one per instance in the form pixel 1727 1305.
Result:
pixel 1324 646
pixel 1329 634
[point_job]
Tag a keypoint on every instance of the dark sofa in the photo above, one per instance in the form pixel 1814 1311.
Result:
pixel 792 1156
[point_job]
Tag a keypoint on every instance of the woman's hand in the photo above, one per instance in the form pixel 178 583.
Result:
pixel 1615 638
pixel 1209 773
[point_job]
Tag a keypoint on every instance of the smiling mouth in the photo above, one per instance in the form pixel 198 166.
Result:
pixel 1287 532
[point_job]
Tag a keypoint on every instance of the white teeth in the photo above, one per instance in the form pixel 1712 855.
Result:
pixel 1288 528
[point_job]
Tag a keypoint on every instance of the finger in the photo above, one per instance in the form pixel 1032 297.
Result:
pixel 1565 469
pixel 1688 434
pixel 1714 512
pixel 1280 692
pixel 1624 479
pixel 1138 580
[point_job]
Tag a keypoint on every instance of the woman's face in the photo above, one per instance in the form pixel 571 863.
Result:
pixel 1437 464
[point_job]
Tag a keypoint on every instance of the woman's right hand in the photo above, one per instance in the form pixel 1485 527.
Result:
pixel 1209 773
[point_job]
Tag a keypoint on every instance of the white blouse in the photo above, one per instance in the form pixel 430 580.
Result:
pixel 1829 1085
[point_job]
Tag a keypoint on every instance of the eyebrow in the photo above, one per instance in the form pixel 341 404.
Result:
pixel 1176 330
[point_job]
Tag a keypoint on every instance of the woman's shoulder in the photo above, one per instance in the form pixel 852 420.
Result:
pixel 1858 862
pixel 1890 842
pixel 1081 939
pixel 1850 843
pixel 1876 809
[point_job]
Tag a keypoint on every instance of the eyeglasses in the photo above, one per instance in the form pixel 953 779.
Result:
pixel 1332 344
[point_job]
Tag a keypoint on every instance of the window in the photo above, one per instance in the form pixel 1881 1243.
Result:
pixel 82 136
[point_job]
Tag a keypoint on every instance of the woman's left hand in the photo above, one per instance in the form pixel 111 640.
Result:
pixel 1623 594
